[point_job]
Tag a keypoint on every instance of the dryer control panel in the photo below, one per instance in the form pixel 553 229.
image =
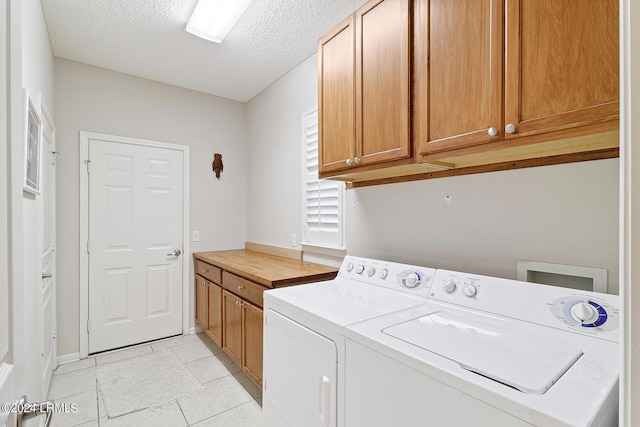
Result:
pixel 401 277
pixel 587 313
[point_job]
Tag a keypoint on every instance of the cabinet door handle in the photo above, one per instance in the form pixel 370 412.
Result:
pixel 240 288
pixel 492 131
pixel 239 303
pixel 349 162
pixel 510 128
pixel 204 270
pixel 356 160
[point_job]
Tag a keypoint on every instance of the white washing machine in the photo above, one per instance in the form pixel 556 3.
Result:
pixel 304 342
pixel 487 352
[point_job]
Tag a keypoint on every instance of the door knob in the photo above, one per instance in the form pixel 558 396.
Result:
pixel 176 252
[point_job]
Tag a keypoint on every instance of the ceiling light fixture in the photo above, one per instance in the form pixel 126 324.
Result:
pixel 213 19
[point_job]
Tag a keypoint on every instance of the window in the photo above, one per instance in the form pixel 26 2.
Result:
pixel 322 199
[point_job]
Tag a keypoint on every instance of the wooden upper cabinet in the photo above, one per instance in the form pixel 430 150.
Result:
pixel 364 84
pixel 560 72
pixel 459 47
pixel 336 97
pixel 561 64
pixel 383 93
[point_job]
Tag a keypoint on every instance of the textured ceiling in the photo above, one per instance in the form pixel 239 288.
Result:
pixel 147 38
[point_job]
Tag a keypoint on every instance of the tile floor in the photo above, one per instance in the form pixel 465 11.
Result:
pixel 228 398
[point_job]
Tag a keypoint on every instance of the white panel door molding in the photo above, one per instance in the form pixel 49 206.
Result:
pixel 136 211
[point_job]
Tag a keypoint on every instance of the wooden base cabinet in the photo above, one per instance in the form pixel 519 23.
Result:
pixel 229 299
pixel 232 326
pixel 243 335
pixel 252 318
pixel 201 302
pixel 214 314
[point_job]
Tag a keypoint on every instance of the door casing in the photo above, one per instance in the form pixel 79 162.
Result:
pixel 84 228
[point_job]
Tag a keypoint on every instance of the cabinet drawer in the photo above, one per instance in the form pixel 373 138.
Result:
pixel 244 288
pixel 208 271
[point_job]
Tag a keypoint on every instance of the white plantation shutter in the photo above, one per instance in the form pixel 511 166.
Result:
pixel 322 199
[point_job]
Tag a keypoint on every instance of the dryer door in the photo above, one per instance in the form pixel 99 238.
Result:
pixel 300 375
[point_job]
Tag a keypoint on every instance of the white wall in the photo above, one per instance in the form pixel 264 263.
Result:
pixel 97 100
pixel 275 155
pixel 562 214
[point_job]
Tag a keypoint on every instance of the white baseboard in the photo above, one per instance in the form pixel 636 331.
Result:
pixel 195 330
pixel 66 358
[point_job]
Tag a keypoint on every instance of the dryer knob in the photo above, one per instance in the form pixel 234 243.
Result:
pixel 360 269
pixel 350 267
pixel 449 286
pixel 470 290
pixel 584 312
pixel 371 271
pixel 383 273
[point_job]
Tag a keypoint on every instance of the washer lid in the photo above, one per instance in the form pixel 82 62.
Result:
pixel 491 347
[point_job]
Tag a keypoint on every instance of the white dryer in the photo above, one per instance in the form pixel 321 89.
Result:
pixel 304 342
pixel 487 352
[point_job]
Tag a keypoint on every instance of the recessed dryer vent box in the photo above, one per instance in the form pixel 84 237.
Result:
pixel 568 276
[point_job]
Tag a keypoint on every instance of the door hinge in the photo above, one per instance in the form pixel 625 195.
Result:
pixel 88 246
pixel 53 245
pixel 88 326
pixel 54 333
pixel 88 163
pixel 53 157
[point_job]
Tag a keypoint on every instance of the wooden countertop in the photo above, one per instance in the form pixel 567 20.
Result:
pixel 268 270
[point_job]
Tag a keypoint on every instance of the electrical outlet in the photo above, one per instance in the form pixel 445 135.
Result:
pixel 196 236
pixel 293 240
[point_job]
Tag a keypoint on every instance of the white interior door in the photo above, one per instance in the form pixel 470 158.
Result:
pixel 47 294
pixel 7 389
pixel 135 239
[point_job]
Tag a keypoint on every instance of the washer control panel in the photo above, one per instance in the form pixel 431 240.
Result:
pixel 587 313
pixel 403 277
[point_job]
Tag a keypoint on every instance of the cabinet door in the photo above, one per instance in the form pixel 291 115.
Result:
pixel 459 73
pixel 214 329
pixel 232 326
pixel 336 99
pixel 383 58
pixel 252 342
pixel 561 64
pixel 201 302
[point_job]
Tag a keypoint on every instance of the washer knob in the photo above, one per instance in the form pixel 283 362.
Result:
pixel 470 290
pixel 383 273
pixel 584 312
pixel 371 271
pixel 412 280
pixel 350 267
pixel 360 269
pixel 449 286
